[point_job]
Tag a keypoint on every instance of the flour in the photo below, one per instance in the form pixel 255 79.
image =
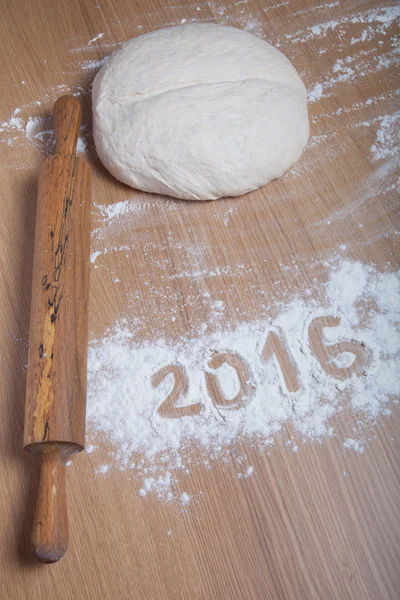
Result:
pixel 382 181
pixel 373 23
pixel 249 471
pixel 350 68
pixel 93 65
pixel 161 485
pixel 316 93
pixel 382 18
pixel 316 9
pixel 124 405
pixel 355 445
pixel 103 469
pixel 356 106
pixel 274 6
pixel 94 255
pixel 22 126
pixel 387 137
pixel 185 499
pixel 96 38
pixel 111 212
pixel 39 131
pixel 228 381
pixel 12 127
pixel 121 248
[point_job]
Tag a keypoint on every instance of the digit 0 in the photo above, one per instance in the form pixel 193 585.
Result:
pixel 246 390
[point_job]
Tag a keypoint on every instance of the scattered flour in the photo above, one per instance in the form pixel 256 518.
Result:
pixel 355 445
pixel 346 70
pixel 93 65
pixel 124 406
pixel 316 93
pixel 118 209
pixel 317 9
pixel 249 471
pixel 94 255
pixel 39 131
pixel 185 499
pixel 103 469
pixel 387 137
pixel 124 399
pixel 384 17
pixel 161 486
pixel 228 381
pixel 350 29
pixel 96 38
pixel 81 145
pixel 356 106
pixel 121 248
pixel 274 6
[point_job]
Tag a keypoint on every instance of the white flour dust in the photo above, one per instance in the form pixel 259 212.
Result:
pixel 349 28
pixel 96 38
pixel 350 68
pixel 387 137
pixel 123 405
pixel 38 131
pixel 153 403
pixel 374 22
pixel 93 65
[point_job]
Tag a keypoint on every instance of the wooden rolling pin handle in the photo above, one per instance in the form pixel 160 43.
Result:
pixel 67 115
pixel 56 378
pixel 50 525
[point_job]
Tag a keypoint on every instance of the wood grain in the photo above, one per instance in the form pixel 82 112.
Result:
pixel 50 523
pixel 298 529
pixel 56 379
pixel 67 116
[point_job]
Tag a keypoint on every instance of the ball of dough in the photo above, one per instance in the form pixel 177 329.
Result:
pixel 199 111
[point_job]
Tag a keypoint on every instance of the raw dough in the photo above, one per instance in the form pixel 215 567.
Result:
pixel 198 112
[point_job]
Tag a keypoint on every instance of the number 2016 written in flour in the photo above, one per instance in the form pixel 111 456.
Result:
pixel 274 347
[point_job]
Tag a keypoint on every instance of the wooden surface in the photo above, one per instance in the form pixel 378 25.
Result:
pixel 54 423
pixel 298 529
pixel 56 377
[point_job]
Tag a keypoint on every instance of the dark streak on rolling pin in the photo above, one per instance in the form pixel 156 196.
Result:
pixel 56 379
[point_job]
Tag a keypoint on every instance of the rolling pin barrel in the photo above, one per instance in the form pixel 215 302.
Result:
pixel 56 379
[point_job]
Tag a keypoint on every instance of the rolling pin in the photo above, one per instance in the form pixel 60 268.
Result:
pixel 56 380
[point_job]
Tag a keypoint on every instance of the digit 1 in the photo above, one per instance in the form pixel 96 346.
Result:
pixel 275 345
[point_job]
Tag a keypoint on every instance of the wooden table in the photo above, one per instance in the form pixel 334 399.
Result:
pixel 298 528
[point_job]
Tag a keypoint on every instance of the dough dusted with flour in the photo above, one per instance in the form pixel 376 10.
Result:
pixel 198 112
